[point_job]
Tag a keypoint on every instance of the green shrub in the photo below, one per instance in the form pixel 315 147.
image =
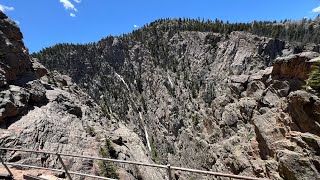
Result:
pixel 314 77
pixel 107 169
pixel 154 153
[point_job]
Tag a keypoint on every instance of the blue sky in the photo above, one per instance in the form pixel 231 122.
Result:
pixel 47 22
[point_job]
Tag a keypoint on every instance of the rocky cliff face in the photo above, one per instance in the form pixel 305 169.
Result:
pixel 228 103
pixel 44 110
pixel 14 58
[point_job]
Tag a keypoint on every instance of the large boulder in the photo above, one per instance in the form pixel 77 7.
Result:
pixel 296 166
pixel 37 92
pixel 305 111
pixel 38 68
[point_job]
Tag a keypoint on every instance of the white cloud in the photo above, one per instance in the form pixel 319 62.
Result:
pixel 17 22
pixel 68 5
pixel 4 8
pixel 77 1
pixel 72 15
pixel 317 9
pixel 136 26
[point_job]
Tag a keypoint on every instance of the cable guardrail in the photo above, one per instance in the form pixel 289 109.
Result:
pixel 168 167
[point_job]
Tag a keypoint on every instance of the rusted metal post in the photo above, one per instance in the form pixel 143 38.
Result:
pixel 64 166
pixel 5 166
pixel 169 171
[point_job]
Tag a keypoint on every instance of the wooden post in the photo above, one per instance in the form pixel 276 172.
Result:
pixel 169 172
pixel 5 166
pixel 64 166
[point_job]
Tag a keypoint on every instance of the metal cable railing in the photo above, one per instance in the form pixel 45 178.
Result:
pixel 168 167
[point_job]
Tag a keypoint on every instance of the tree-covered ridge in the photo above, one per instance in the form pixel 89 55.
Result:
pixel 303 31
pixel 151 36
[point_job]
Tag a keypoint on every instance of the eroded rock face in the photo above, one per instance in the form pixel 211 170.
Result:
pixel 14 57
pixel 43 110
pixel 295 66
pixel 71 123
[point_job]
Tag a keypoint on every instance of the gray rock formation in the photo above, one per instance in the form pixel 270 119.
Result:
pixel 43 110
pixel 14 56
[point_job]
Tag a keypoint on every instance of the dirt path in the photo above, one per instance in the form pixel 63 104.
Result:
pixel 18 174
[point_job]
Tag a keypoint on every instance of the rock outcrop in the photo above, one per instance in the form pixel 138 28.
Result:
pixel 14 56
pixel 296 66
pixel 44 110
